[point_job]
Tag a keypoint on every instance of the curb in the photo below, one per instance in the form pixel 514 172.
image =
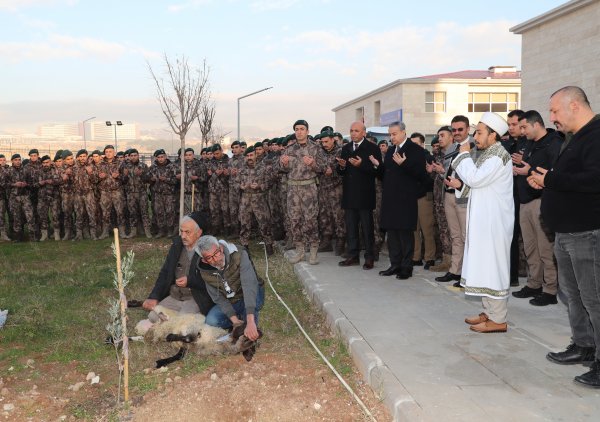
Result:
pixel 384 384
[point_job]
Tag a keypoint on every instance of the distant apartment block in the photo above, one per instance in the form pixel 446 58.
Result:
pixel 100 132
pixel 58 130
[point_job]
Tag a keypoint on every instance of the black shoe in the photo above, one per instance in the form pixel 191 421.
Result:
pixel 418 263
pixel 404 275
pixel 544 299
pixel 349 262
pixel 572 355
pixel 514 282
pixel 591 378
pixel 390 271
pixel 527 292
pixel 448 277
pixel 428 264
pixel 457 284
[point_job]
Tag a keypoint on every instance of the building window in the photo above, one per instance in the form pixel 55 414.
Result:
pixel 498 102
pixel 376 112
pixel 360 114
pixel 435 102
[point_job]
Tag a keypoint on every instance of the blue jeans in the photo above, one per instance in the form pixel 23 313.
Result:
pixel 578 258
pixel 217 318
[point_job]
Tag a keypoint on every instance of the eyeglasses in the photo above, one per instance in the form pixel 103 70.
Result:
pixel 213 256
pixel 458 129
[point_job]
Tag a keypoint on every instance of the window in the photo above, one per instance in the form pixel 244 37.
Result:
pixel 435 102
pixel 498 102
pixel 360 114
pixel 376 111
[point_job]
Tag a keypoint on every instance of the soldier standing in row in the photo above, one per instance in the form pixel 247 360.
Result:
pixel 111 192
pixel 84 179
pixel 48 198
pixel 3 223
pixel 235 166
pixel 136 177
pixel 162 180
pixel 67 196
pixel 18 181
pixel 218 187
pixel 192 177
pixel 34 166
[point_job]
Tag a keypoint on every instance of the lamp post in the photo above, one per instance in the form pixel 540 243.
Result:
pixel 238 107
pixel 115 124
pixel 83 123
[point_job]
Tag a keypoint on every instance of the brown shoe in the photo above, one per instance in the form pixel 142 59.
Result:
pixel 489 326
pixel 368 265
pixel 474 320
pixel 349 262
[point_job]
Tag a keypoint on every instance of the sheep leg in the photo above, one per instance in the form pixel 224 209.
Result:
pixel 178 356
pixel 188 338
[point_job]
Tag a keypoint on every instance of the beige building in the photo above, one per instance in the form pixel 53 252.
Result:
pixel 561 47
pixel 425 103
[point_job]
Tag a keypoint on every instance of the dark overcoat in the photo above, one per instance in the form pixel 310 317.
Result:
pixel 359 182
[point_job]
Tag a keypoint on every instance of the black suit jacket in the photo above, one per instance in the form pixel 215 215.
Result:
pixel 359 182
pixel 402 185
pixel 166 278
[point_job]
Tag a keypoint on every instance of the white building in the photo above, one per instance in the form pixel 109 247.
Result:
pixel 426 103
pixel 58 130
pixel 99 131
pixel 559 48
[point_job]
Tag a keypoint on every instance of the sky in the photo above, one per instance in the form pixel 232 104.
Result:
pixel 63 61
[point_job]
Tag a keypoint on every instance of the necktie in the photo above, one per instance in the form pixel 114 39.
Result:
pixel 354 146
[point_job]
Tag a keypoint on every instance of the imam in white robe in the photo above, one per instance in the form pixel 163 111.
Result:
pixel 490 220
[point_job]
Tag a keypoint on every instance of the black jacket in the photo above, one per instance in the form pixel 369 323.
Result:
pixel 359 182
pixel 166 278
pixel 571 199
pixel 402 185
pixel 541 153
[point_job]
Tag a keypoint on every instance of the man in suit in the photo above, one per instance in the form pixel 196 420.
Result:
pixel 359 164
pixel 404 171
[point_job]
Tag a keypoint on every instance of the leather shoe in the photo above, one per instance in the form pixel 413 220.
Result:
pixel 458 285
pixel 572 355
pixel 390 271
pixel 417 263
pixel 448 277
pixel 489 326
pixel 404 274
pixel 527 292
pixel 353 260
pixel 544 299
pixel 514 282
pixel 474 320
pixel 429 264
pixel 368 265
pixel 591 378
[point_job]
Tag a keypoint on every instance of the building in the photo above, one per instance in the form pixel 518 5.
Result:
pixel 99 131
pixel 427 102
pixel 560 47
pixel 58 130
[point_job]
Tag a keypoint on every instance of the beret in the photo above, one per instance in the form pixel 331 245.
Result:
pixel 45 158
pixel 189 150
pixel 33 151
pixel 15 156
pixel 234 143
pixel 327 129
pixel 249 150
pixel 159 152
pixel 96 152
pixel 301 123
pixel 133 151
pixel 66 153
pixel 108 147
pixel 80 152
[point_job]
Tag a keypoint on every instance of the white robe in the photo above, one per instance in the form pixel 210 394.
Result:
pixel 490 220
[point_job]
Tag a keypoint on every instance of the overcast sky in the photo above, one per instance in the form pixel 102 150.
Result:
pixel 67 60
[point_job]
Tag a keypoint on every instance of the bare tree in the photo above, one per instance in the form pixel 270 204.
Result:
pixel 181 93
pixel 205 120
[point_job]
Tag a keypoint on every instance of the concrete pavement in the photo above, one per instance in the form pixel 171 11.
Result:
pixel 409 339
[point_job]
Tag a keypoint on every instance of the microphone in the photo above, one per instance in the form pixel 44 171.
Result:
pixel 456 152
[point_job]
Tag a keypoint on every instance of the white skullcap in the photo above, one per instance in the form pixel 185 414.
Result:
pixel 494 121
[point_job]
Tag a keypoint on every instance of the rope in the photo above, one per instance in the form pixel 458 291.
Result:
pixel 312 343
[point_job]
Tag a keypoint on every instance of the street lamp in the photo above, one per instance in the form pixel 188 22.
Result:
pixel 115 124
pixel 84 141
pixel 238 107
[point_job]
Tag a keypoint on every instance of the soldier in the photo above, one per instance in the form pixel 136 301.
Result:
pixel 18 181
pixel 377 233
pixel 67 199
pixel 274 194
pixel 192 177
pixel 3 220
pixel 48 198
pixel 331 215
pixel 303 161
pixel 96 158
pixel 34 166
pixel 253 184
pixel 84 179
pixel 136 177
pixel 162 185
pixel 111 192
pixel 235 165
pixel 203 184
pixel 218 187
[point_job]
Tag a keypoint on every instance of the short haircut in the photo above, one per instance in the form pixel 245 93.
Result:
pixel 490 130
pixel 418 135
pixel 398 124
pixel 460 118
pixel 517 113
pixel 206 243
pixel 532 116
pixel 574 93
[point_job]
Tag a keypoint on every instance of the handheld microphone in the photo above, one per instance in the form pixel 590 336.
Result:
pixel 457 151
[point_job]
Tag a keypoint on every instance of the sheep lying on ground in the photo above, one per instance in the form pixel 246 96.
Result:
pixel 189 331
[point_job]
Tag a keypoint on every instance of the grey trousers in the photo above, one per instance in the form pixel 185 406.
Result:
pixel 188 306
pixel 495 309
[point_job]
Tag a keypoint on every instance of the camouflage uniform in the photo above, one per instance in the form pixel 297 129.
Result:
pixel 111 193
pixel 163 195
pixel 34 168
pixel 302 192
pixel 438 209
pixel 236 164
pixel 67 199
pixel 19 199
pixel 254 203
pixel 136 190
pixel 274 195
pixel 331 214
pixel 202 193
pixel 85 201
pixel 49 198
pixel 191 169
pixel 218 188
pixel 3 189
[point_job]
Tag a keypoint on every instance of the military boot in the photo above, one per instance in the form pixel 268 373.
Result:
pixel 104 234
pixel 299 254
pixel 79 235
pixel 132 233
pixel 4 236
pixel 340 246
pixel 86 233
pixel 67 235
pixel 325 245
pixel 44 236
pixel 122 232
pixel 442 266
pixel 313 259
pixel 289 245
pixel 56 235
pixel 93 232
pixel 148 232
